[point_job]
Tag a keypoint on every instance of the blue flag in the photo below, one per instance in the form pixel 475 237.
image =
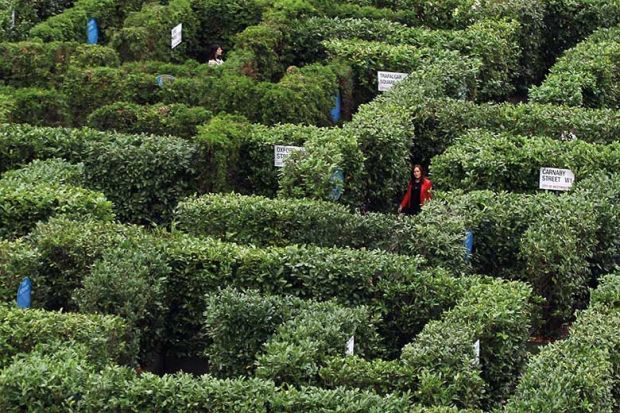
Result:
pixel 23 293
pixel 469 243
pixel 92 31
pixel 335 112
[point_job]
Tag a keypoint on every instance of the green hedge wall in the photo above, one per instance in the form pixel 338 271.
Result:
pixel 585 75
pixel 40 107
pixel 440 367
pixel 238 323
pixel 64 255
pixel 145 34
pixel 144 176
pixel 495 43
pixel 295 353
pixel 70 25
pixel 580 372
pixel 27 14
pixel 25 202
pixel 78 384
pixel 487 160
pixel 25 64
pixel 160 119
pixel 262 221
pixel 103 336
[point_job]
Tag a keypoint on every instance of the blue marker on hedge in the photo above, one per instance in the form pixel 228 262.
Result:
pixel 92 31
pixel 24 293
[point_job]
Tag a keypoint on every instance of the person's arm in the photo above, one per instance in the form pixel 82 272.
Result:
pixel 426 194
pixel 405 200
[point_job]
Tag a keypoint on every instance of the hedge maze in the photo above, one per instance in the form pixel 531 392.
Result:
pixel 176 267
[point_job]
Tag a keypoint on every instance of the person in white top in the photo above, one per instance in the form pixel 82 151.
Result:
pixel 215 57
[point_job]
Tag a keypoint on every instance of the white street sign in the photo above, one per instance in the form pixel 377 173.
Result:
pixel 556 179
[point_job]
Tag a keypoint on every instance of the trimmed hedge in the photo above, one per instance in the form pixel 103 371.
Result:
pixel 160 119
pixel 27 14
pixel 70 25
pixel 78 384
pixel 26 64
pixel 582 371
pixel 439 367
pixel 238 323
pixel 544 239
pixel 493 42
pixel 103 336
pixel 145 34
pixel 498 314
pixel 64 253
pixel 49 171
pixel 294 354
pixel 486 160
pixel 261 221
pixel 40 107
pixel 585 75
pixel 23 204
pixel 144 176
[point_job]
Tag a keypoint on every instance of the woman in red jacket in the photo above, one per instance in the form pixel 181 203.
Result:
pixel 418 192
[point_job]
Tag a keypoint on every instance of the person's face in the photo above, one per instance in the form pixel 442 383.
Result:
pixel 417 173
pixel 219 52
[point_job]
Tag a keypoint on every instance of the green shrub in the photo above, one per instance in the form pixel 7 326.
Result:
pixel 261 221
pixel 295 353
pixel 603 192
pixel 238 323
pixel 495 43
pixel 145 34
pixel 499 315
pixel 138 299
pixel 39 107
pixel 160 119
pixel 49 171
pixel 104 337
pixel 63 253
pixel 581 372
pixel 585 75
pixel 44 64
pixel 144 176
pixel 23 206
pixel 486 160
pixel 70 25
pixel 80 385
pixel 17 260
pixel 27 14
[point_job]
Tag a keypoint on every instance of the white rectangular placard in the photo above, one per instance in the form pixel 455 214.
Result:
pixel 281 152
pixel 177 35
pixel 477 351
pixel 556 179
pixel 386 80
pixel 349 350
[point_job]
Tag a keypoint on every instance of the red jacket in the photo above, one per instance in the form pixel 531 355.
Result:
pixel 425 193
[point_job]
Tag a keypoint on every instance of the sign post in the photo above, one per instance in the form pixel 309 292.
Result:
pixel 556 179
pixel 386 80
pixel 176 35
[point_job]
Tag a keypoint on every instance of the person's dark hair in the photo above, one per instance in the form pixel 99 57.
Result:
pixel 213 51
pixel 423 173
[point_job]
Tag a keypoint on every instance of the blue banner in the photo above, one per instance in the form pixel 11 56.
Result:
pixel 92 31
pixel 469 244
pixel 335 113
pixel 23 293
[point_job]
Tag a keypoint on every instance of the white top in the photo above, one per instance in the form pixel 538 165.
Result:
pixel 215 62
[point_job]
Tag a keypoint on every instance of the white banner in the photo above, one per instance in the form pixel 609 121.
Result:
pixel 386 80
pixel 556 179
pixel 177 35
pixel 349 350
